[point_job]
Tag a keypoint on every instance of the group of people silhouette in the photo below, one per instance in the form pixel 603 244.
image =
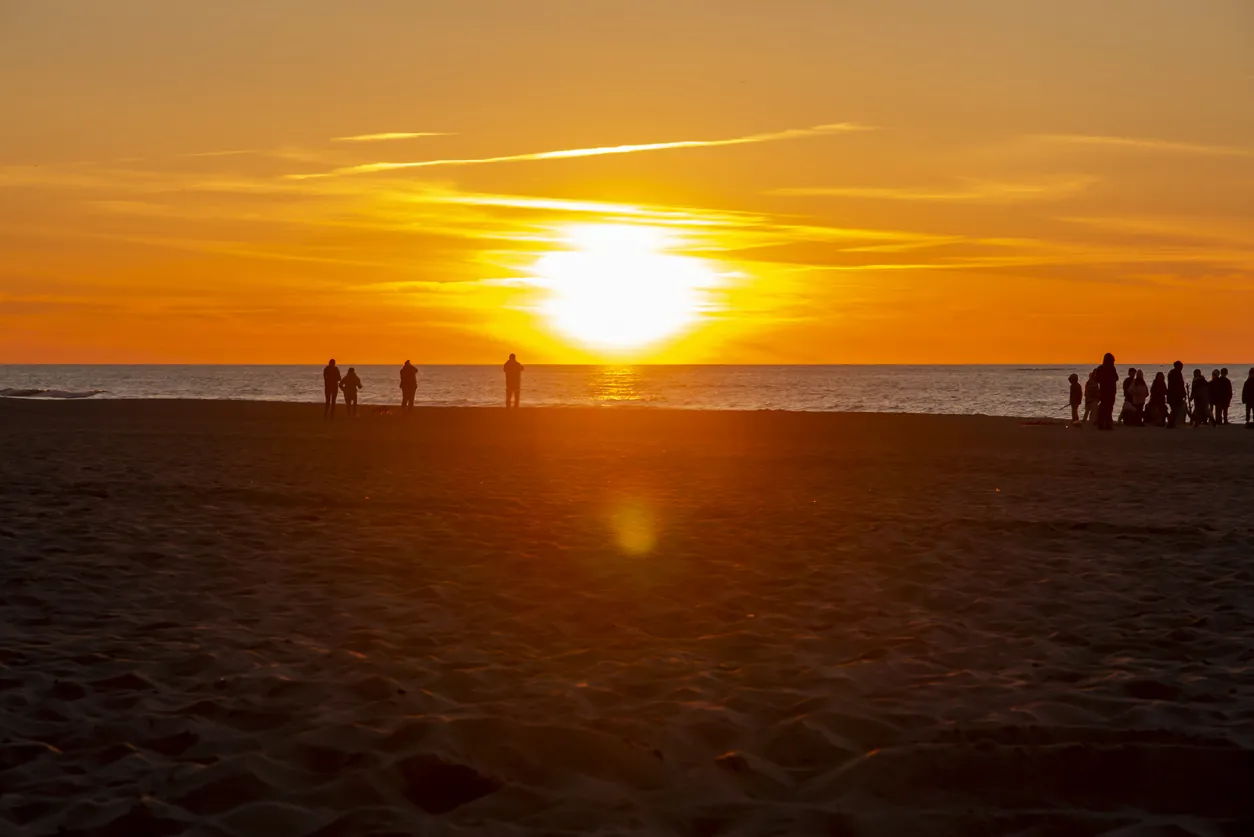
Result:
pixel 334 383
pixel 1167 402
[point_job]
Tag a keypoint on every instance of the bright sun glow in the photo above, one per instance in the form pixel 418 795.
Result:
pixel 617 288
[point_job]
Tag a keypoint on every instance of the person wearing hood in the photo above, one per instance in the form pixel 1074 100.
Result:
pixel 409 386
pixel 1156 411
pixel 1200 396
pixel 1108 380
pixel 350 384
pixel 513 381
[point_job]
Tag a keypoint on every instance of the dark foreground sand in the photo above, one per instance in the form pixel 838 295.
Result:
pixel 236 619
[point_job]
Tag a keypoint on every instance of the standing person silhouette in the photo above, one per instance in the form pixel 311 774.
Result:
pixel 1247 398
pixel 513 381
pixel 1139 393
pixel 1225 398
pixel 1215 389
pixel 409 386
pixel 1177 395
pixel 330 388
pixel 350 384
pixel 1127 412
pixel 1077 397
pixel 1108 379
pixel 1156 414
pixel 1092 397
pixel 1201 399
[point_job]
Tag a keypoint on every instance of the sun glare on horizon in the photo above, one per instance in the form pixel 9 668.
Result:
pixel 618 287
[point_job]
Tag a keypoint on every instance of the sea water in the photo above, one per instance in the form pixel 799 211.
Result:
pixel 1028 391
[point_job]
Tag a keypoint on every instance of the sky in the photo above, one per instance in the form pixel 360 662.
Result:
pixel 905 181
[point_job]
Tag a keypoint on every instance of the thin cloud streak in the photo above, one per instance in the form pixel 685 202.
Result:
pixel 1147 144
pixel 673 215
pixel 979 192
pixel 597 151
pixel 234 153
pixel 391 135
pixel 1207 230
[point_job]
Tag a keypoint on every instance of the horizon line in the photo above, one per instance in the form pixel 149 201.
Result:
pixel 494 364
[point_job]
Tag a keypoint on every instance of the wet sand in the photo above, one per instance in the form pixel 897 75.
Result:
pixel 235 619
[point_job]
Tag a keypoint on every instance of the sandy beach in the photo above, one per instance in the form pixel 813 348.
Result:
pixel 235 619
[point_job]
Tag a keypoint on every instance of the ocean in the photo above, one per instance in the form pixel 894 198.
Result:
pixel 1026 391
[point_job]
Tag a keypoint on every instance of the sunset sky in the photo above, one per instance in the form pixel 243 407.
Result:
pixel 814 181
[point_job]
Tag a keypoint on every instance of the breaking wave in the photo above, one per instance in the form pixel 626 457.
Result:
pixel 48 393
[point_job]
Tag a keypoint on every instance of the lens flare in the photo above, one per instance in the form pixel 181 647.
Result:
pixel 635 529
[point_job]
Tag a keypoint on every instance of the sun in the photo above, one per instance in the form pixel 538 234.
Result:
pixel 617 288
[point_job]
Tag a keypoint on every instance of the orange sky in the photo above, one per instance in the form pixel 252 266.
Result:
pixel 899 181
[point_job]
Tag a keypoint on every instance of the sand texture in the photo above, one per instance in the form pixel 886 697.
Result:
pixel 235 619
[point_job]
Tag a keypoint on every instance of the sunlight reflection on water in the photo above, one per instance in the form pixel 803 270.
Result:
pixel 616 384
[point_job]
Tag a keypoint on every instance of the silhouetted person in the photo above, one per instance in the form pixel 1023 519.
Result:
pixel 1224 400
pixel 1127 411
pixel 1156 413
pixel 350 384
pixel 1108 380
pixel 1247 398
pixel 1213 389
pixel 330 388
pixel 1139 393
pixel 1177 395
pixel 409 386
pixel 513 381
pixel 1092 397
pixel 1077 397
pixel 1201 399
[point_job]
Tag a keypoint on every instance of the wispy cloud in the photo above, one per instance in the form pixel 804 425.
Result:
pixel 233 153
pixel 260 216
pixel 978 192
pixel 597 151
pixel 391 135
pixel 1204 230
pixel 701 228
pixel 129 208
pixel 239 249
pixel 674 215
pixel 1147 144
